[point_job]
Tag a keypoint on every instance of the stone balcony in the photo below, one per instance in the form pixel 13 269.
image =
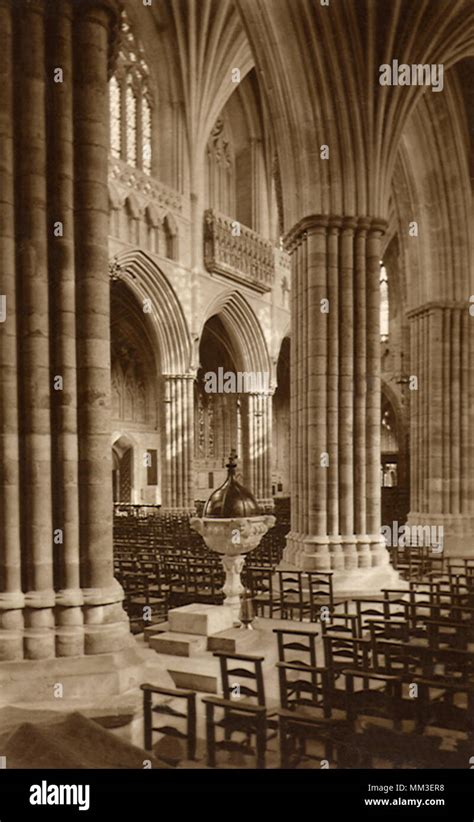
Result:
pixel 149 190
pixel 244 257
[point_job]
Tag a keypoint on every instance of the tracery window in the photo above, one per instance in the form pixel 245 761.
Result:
pixel 384 304
pixel 130 103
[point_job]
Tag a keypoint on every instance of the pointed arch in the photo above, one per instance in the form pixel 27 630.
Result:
pixel 148 282
pixel 244 329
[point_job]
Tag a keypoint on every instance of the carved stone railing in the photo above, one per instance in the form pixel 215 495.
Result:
pixel 150 189
pixel 235 251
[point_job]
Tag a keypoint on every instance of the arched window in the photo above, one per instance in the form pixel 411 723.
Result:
pixel 130 103
pixel 384 306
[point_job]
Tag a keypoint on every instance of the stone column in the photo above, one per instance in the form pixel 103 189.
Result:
pixel 441 424
pixel 11 597
pixel 69 598
pixel 178 489
pixel 105 624
pixel 374 546
pixel 335 402
pixel 258 407
pixel 34 361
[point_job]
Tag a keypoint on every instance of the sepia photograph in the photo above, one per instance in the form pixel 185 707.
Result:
pixel 237 398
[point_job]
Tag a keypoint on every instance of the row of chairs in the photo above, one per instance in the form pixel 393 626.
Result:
pixel 291 594
pixel 404 656
pixel 416 561
pixel 153 586
pixel 159 586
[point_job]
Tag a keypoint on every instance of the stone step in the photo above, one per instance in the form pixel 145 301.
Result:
pixel 233 641
pixel 178 644
pixel 201 673
pixel 195 681
pixel 200 619
pixel 153 630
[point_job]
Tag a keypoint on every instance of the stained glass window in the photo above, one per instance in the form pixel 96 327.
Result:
pixel 131 103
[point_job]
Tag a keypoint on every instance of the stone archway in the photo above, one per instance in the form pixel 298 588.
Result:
pixel 169 341
pixel 136 399
pixel 242 334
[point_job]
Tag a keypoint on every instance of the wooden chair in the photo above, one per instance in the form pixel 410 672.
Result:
pixel 400 659
pixel 321 595
pixel 259 580
pixel 249 719
pixel 396 629
pixel 164 708
pixel 341 652
pixel 371 693
pixel 436 706
pixel 296 646
pixel 341 624
pixel 247 716
pixel 301 682
pixel 296 730
pixel 367 608
pixel 292 596
pixel 448 611
pixel 139 597
pixel 449 633
pixel 125 567
pixel 389 605
pixel 304 686
pixel 203 582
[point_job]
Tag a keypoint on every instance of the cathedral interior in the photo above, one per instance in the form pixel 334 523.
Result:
pixel 237 382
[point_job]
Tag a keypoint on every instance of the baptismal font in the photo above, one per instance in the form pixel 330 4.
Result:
pixel 232 525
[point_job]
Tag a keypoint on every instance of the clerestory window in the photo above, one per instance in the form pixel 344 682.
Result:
pixel 130 103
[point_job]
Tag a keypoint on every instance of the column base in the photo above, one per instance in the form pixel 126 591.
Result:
pixel 106 625
pixel 11 625
pixel 88 682
pixel 360 563
pixel 39 634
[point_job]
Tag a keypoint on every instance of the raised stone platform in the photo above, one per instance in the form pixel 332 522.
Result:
pixel 82 683
pixel 199 670
pixel 178 644
pixel 200 619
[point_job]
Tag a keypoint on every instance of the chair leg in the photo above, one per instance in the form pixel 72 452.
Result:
pixel 227 729
pixel 147 718
pixel 282 742
pixel 210 736
pixel 261 740
pixel 192 728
